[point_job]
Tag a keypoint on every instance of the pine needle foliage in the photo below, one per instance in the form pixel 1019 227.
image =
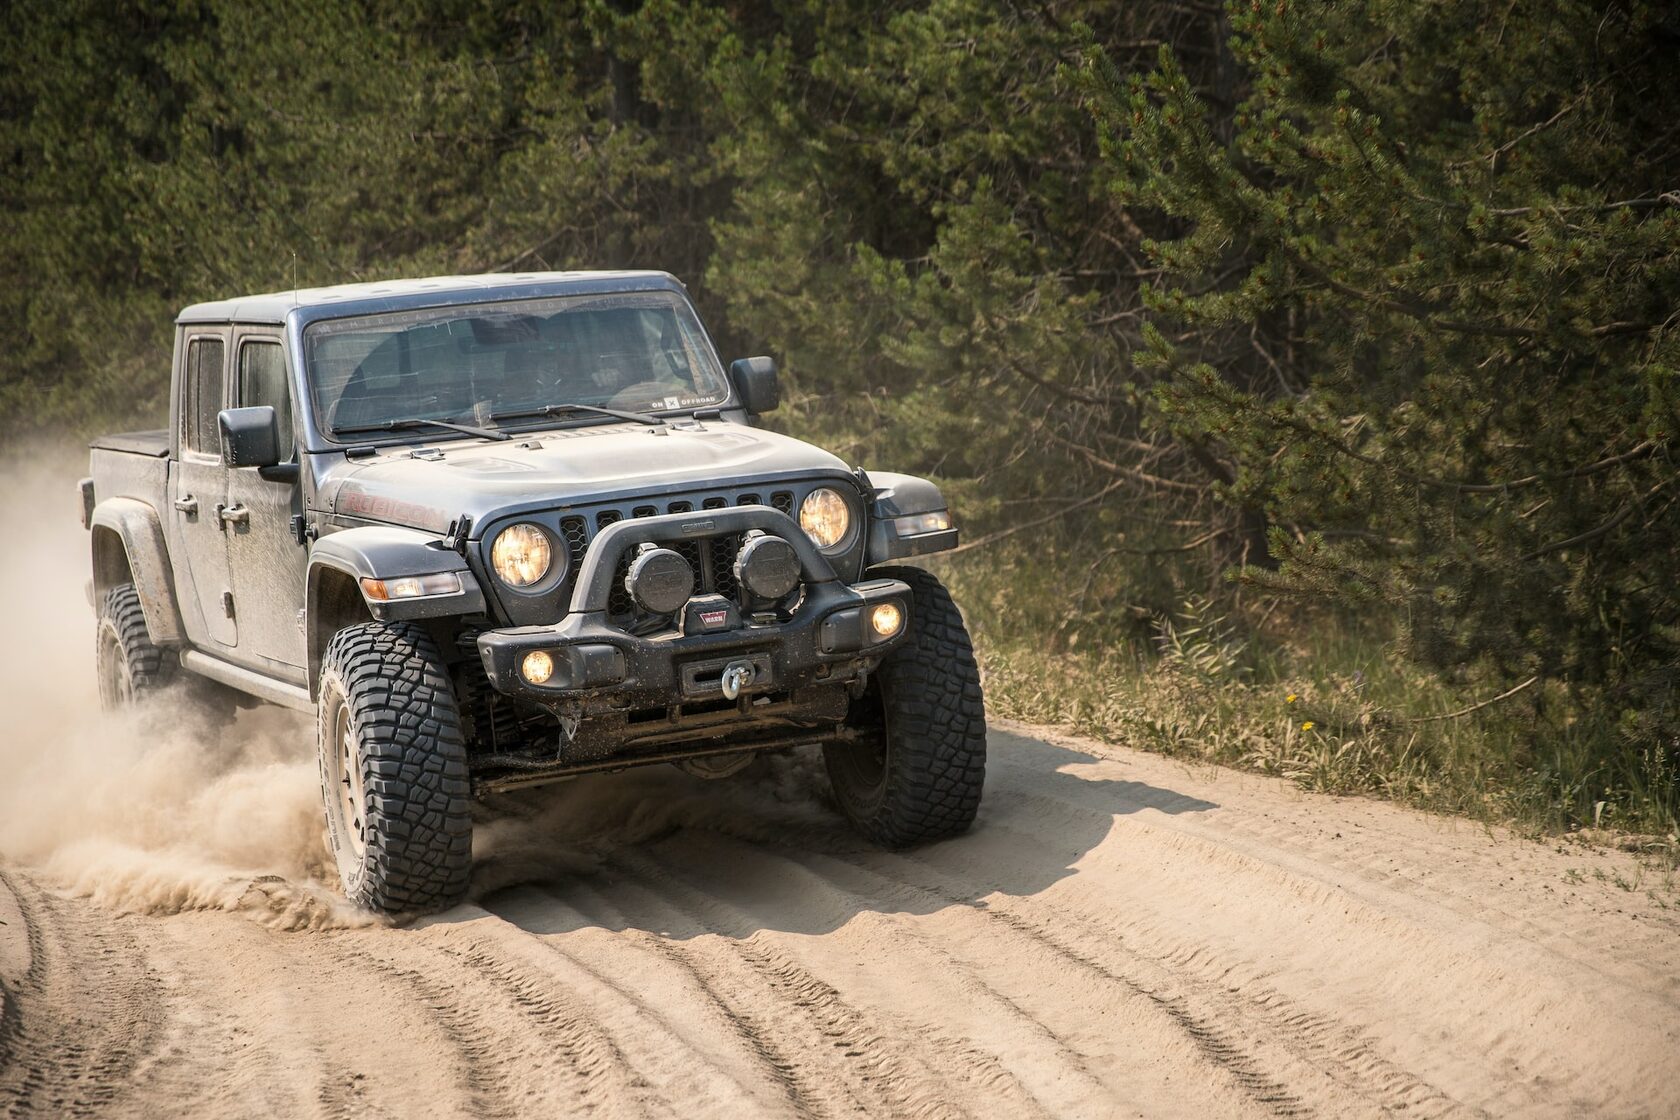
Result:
pixel 1424 298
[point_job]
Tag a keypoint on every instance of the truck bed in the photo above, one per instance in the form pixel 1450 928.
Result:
pixel 154 444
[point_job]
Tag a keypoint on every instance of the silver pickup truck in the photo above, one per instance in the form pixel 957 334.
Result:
pixel 500 530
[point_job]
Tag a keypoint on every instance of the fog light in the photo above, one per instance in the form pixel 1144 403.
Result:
pixel 537 667
pixel 885 619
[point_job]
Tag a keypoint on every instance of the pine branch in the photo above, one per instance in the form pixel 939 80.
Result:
pixel 991 538
pixel 1667 198
pixel 1506 695
pixel 1583 538
pixel 1127 474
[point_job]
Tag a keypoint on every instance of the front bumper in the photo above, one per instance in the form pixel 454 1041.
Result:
pixel 670 683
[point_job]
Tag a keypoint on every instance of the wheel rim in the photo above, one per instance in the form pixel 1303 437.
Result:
pixel 116 689
pixel 352 805
pixel 866 761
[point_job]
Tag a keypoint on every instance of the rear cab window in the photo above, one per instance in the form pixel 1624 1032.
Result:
pixel 205 392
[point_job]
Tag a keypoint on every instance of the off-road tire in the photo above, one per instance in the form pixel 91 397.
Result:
pixel 919 775
pixel 130 667
pixel 387 688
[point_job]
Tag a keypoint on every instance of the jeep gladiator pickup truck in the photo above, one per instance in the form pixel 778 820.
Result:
pixel 493 531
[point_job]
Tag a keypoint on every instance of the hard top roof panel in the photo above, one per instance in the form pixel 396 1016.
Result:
pixel 341 300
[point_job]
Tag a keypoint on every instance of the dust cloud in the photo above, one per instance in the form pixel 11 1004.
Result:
pixel 153 811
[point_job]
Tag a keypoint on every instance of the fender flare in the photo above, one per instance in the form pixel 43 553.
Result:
pixel 893 496
pixel 138 527
pixel 381 552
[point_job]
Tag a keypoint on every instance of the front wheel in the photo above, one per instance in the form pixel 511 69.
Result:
pixel 393 770
pixel 917 774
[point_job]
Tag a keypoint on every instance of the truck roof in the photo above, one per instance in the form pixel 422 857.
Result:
pixel 343 300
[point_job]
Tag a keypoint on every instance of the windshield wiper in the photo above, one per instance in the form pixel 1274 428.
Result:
pixel 421 422
pixel 563 409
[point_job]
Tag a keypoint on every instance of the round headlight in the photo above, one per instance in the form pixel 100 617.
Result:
pixel 521 554
pixel 825 517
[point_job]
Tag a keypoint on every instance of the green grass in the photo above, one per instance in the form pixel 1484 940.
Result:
pixel 1320 700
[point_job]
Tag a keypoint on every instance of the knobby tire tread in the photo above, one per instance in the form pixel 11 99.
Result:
pixel 414 766
pixel 935 722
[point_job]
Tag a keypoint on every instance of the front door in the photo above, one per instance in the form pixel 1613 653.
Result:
pixel 266 561
pixel 198 491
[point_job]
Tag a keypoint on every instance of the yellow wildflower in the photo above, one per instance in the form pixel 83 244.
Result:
pixel 1307 726
pixel 1291 698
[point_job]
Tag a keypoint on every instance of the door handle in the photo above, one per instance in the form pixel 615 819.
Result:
pixel 187 504
pixel 233 515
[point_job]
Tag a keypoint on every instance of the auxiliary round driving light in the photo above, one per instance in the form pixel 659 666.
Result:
pixel 660 580
pixel 767 566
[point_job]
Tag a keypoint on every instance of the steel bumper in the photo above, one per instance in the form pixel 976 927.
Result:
pixel 598 667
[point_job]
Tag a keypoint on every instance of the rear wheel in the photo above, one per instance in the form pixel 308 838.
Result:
pixel 132 669
pixel 129 666
pixel 393 770
pixel 917 776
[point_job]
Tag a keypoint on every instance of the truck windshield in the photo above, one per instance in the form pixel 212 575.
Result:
pixel 637 352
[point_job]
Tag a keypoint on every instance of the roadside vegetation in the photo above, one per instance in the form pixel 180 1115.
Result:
pixel 1324 700
pixel 1304 376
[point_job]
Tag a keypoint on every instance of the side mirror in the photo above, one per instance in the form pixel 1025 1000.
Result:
pixel 755 381
pixel 250 436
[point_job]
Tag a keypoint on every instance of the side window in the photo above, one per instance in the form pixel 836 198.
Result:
pixel 204 395
pixel 262 380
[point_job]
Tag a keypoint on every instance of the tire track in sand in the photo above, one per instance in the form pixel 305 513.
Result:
pixel 1196 1006
pixel 676 1035
pixel 82 1017
pixel 471 1033
pixel 918 1070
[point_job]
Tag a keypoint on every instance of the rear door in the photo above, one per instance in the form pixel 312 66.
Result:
pixel 265 559
pixel 198 491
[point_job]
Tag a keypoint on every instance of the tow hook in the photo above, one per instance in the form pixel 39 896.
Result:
pixel 736 676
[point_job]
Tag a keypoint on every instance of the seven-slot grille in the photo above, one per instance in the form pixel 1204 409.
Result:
pixel 713 560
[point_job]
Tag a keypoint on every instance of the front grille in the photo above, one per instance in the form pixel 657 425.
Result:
pixel 576 530
pixel 722 562
pixel 713 560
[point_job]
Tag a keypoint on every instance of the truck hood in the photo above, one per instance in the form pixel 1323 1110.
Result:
pixel 429 485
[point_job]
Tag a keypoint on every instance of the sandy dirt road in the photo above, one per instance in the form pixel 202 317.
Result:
pixel 1119 936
